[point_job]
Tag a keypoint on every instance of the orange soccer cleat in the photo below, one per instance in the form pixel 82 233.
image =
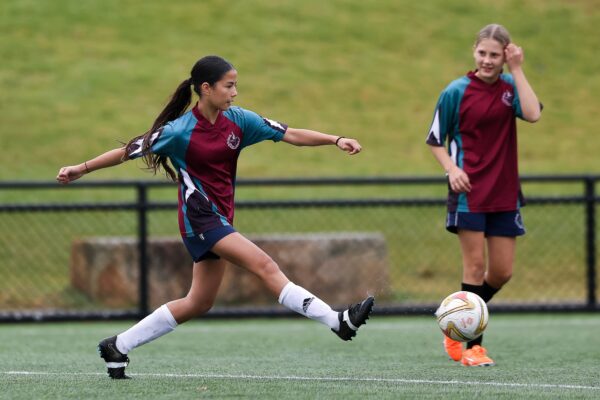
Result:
pixel 477 357
pixel 453 348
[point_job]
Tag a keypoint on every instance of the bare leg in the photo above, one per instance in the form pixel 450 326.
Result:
pixel 242 252
pixel 501 260
pixel 206 279
pixel 473 253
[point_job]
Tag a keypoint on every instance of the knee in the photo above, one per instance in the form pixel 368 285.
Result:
pixel 266 267
pixel 197 307
pixel 498 280
pixel 203 307
pixel 474 271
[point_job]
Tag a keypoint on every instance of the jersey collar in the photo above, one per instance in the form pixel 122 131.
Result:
pixel 471 75
pixel 203 121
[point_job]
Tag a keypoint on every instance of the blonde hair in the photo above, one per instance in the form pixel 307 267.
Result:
pixel 496 32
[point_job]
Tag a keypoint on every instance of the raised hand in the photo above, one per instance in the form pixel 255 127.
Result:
pixel 514 56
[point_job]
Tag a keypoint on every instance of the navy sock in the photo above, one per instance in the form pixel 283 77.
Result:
pixel 486 292
pixel 471 288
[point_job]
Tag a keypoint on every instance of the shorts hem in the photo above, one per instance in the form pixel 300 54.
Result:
pixel 504 224
pixel 199 246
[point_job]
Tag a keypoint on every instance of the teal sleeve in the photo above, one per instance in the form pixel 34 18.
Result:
pixel 516 103
pixel 444 118
pixel 161 143
pixel 256 129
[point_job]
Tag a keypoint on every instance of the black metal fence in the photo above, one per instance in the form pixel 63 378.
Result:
pixel 555 267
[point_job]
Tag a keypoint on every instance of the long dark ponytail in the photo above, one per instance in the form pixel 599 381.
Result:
pixel 209 69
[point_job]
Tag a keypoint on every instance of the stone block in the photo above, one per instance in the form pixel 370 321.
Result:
pixel 340 268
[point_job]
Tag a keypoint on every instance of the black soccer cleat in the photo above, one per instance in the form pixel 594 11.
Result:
pixel 353 318
pixel 115 360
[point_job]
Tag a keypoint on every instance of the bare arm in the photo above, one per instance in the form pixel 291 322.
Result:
pixel 306 137
pixel 530 104
pixel 458 179
pixel 108 159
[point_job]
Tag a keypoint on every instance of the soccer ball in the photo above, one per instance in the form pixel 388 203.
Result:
pixel 462 316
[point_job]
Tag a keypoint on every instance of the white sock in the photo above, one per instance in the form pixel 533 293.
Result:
pixel 159 323
pixel 298 299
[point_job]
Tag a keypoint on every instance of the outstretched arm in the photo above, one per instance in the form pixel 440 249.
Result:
pixel 306 137
pixel 108 159
pixel 530 104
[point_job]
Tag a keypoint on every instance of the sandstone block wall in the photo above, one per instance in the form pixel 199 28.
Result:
pixel 341 268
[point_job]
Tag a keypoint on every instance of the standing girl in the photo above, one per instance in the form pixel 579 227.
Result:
pixel 202 146
pixel 476 115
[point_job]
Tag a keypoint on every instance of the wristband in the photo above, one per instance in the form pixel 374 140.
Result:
pixel 338 139
pixel 87 170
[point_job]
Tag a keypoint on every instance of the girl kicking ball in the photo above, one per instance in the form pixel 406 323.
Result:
pixel 199 149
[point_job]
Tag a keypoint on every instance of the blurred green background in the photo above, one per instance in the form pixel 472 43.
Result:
pixel 79 76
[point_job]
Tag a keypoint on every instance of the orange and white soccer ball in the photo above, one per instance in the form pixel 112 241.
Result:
pixel 462 316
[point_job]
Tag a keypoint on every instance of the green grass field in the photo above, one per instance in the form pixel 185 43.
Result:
pixel 77 76
pixel 538 357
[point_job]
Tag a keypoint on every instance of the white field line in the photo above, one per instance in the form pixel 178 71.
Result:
pixel 320 379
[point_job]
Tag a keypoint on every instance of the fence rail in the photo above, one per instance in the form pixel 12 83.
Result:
pixel 144 208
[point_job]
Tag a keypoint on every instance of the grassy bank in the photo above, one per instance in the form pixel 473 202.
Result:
pixel 78 76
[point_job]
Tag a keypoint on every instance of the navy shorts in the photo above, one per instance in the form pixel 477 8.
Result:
pixel 199 246
pixel 507 223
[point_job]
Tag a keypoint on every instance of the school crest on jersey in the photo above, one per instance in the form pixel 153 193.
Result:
pixel 233 141
pixel 507 98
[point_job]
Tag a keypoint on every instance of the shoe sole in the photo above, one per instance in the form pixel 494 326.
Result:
pixel 480 365
pixel 115 370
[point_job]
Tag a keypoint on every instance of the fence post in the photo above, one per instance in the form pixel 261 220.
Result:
pixel 590 212
pixel 143 248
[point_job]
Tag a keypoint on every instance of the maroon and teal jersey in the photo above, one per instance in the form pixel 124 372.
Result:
pixel 477 120
pixel 205 156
